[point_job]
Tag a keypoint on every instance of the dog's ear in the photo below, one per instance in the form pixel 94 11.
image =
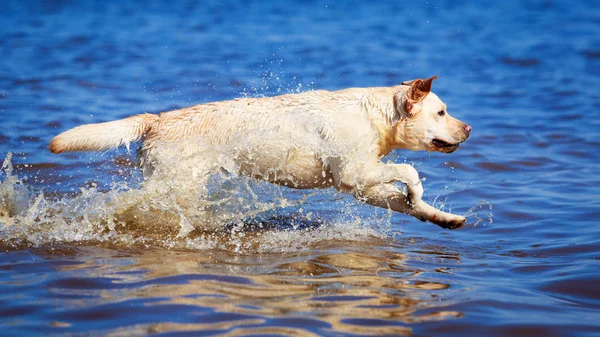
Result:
pixel 404 106
pixel 419 89
pixel 410 82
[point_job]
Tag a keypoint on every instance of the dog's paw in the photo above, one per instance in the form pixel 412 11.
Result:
pixel 455 222
pixel 448 221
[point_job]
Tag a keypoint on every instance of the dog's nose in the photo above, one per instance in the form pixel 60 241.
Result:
pixel 467 127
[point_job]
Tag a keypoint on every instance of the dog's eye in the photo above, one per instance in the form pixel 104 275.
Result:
pixel 441 112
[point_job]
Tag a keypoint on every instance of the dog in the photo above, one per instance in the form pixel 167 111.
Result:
pixel 314 139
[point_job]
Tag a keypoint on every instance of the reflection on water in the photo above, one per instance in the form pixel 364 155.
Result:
pixel 330 288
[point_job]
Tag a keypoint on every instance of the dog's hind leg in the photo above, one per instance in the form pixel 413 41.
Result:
pixel 391 197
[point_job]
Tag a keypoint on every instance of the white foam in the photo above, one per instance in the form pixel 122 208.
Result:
pixel 164 212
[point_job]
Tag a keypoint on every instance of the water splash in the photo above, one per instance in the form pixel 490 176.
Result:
pixel 480 214
pixel 270 79
pixel 219 211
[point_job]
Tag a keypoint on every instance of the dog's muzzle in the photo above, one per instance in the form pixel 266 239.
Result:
pixel 443 146
pixel 446 147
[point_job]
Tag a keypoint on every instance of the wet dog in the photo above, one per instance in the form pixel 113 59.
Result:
pixel 315 139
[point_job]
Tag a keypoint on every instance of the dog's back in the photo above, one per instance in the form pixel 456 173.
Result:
pixel 217 123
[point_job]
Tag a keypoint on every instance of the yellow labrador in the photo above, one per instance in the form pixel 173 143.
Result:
pixel 315 139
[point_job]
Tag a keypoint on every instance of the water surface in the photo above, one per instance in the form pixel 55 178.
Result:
pixel 523 74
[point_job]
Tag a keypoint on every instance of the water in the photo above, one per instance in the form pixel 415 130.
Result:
pixel 302 263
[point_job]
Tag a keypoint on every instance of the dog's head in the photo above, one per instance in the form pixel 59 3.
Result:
pixel 424 121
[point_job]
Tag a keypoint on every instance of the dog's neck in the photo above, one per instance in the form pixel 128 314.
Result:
pixel 392 137
pixel 386 120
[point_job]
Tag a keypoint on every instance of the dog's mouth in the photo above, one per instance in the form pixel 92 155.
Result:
pixel 444 146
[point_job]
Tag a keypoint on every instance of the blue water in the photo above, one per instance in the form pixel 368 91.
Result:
pixel 524 74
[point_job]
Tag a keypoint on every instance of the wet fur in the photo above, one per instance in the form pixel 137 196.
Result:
pixel 316 139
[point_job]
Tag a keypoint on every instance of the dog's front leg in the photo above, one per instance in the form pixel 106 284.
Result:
pixel 391 197
pixel 359 178
pixel 373 183
pixel 409 176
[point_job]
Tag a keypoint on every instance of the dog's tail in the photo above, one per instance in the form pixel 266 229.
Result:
pixel 103 136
